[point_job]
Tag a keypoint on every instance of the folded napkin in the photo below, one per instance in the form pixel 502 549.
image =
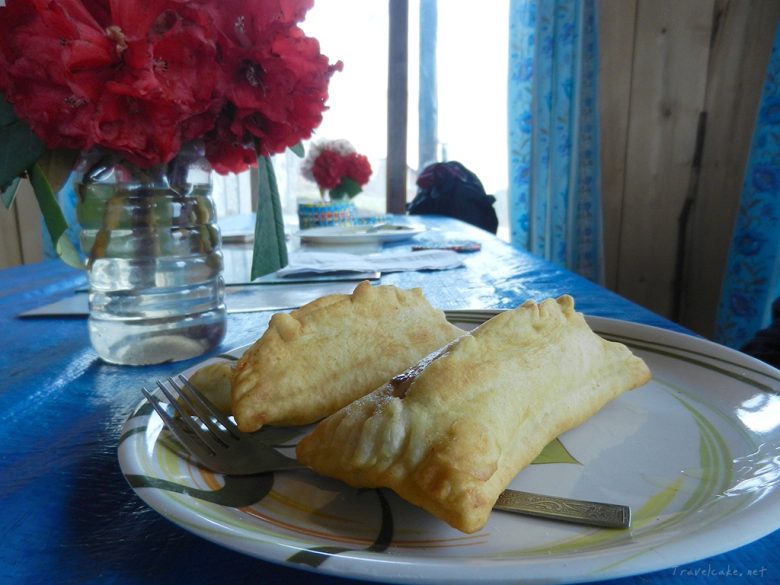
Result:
pixel 323 262
pixel 270 249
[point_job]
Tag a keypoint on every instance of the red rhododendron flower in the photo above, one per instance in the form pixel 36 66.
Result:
pixel 175 59
pixel 275 91
pixel 336 167
pixel 142 78
pixel 226 153
pixel 357 168
pixel 145 130
pixel 47 56
pixel 327 169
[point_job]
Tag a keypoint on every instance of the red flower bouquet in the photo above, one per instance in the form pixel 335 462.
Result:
pixel 337 168
pixel 143 78
pixel 146 89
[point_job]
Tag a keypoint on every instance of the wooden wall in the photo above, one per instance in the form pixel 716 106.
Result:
pixel 20 230
pixel 663 63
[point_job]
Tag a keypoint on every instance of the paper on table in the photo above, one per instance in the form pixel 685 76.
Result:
pixel 323 262
pixel 252 298
pixel 238 299
pixel 237 228
pixel 355 277
pixel 76 304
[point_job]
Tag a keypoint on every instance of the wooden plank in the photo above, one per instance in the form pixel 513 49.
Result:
pixel 740 53
pixel 397 96
pixel 10 248
pixel 667 93
pixel 616 53
pixel 29 218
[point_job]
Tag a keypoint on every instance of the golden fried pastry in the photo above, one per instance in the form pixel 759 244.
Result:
pixel 450 433
pixel 314 360
pixel 213 381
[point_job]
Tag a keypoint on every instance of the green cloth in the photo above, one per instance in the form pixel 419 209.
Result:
pixel 270 251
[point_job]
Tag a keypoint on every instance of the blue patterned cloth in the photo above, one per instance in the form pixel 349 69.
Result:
pixel 74 519
pixel 752 278
pixel 555 186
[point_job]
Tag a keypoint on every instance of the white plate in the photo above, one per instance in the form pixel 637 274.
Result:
pixel 695 453
pixel 358 234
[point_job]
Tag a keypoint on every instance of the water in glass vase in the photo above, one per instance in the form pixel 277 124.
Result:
pixel 155 260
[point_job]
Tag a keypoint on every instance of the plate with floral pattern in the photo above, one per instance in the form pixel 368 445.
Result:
pixel 695 453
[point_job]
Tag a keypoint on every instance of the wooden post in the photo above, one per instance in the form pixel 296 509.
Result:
pixel 397 90
pixel 428 99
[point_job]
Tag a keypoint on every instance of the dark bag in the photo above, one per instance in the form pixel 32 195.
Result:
pixel 451 189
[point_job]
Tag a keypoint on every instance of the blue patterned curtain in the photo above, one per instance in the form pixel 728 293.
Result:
pixel 555 175
pixel 752 277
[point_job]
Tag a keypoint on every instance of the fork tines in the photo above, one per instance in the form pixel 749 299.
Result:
pixel 199 426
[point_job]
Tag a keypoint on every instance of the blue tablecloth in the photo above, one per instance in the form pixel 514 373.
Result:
pixel 68 516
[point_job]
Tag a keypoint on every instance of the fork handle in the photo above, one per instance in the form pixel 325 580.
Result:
pixel 565 509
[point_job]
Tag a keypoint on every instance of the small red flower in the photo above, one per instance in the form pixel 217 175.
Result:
pixel 357 168
pixel 336 167
pixel 327 169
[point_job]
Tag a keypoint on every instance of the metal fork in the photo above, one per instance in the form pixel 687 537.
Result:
pixel 211 437
pixel 216 442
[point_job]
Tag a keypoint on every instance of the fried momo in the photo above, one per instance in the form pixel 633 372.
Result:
pixel 450 433
pixel 316 359
pixel 213 381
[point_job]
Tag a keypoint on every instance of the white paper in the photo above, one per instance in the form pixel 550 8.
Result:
pixel 394 261
pixel 238 299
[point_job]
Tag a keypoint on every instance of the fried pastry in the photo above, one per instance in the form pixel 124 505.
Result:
pixel 316 359
pixel 213 381
pixel 451 432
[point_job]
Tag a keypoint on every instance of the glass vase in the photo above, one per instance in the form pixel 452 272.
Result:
pixel 156 290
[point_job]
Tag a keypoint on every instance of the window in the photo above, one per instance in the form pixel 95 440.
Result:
pixel 471 72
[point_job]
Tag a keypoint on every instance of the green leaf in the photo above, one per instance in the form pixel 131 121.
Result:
pixel 9 193
pixel 270 249
pixel 53 218
pixel 7 113
pixel 299 150
pixel 555 452
pixel 20 148
pixel 67 252
pixel 347 188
